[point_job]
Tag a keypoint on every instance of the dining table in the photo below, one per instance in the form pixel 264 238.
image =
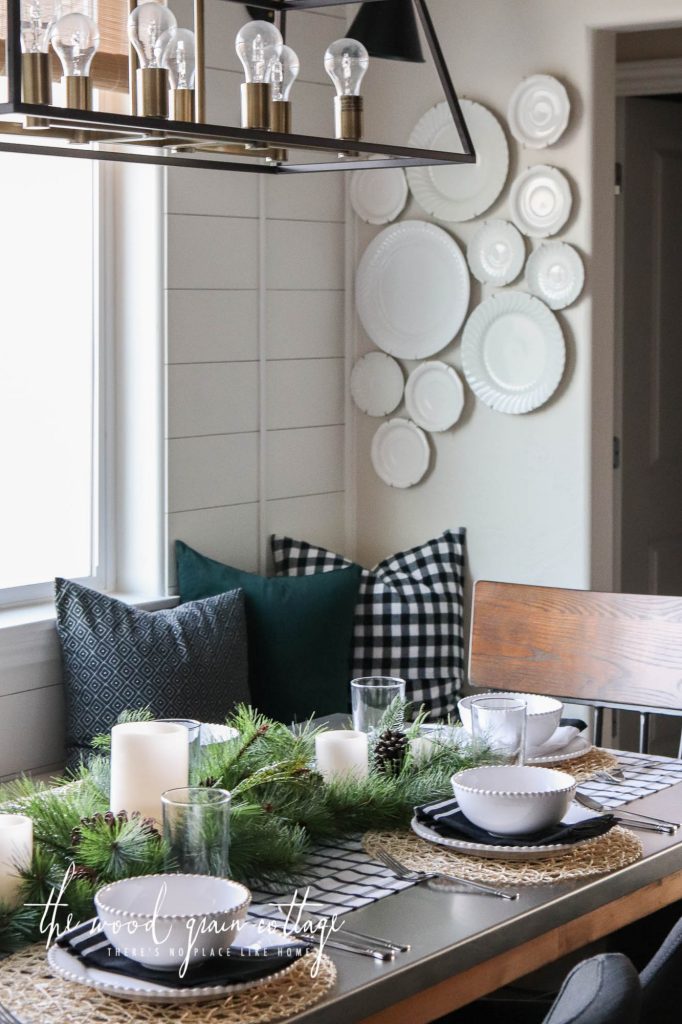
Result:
pixel 465 945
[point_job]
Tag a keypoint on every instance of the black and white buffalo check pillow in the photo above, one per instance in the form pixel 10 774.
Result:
pixel 408 619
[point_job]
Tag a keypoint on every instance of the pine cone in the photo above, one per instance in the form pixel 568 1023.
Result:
pixel 389 751
pixel 112 821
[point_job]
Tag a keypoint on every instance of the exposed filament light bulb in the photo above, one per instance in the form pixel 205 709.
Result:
pixel 35 25
pixel 75 39
pixel 346 62
pixel 285 69
pixel 258 45
pixel 147 24
pixel 178 57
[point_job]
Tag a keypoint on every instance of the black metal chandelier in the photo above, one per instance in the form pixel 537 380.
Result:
pixel 181 136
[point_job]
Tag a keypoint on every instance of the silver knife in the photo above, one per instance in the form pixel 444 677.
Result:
pixel 373 940
pixel 363 949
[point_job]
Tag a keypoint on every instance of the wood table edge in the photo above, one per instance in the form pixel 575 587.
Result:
pixel 507 967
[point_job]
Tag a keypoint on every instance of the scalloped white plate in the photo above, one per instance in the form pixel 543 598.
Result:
pixel 377 384
pixel 378 197
pixel 400 453
pixel 461 191
pixel 434 396
pixel 538 111
pixel 496 253
pixel 540 201
pixel 412 289
pixel 513 352
pixel 555 273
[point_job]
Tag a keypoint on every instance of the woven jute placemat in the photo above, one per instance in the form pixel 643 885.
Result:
pixel 616 849
pixel 36 996
pixel 586 765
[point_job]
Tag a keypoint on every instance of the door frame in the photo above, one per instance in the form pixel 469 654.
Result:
pixel 632 79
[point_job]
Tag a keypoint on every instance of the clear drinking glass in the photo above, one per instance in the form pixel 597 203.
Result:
pixel 370 696
pixel 500 723
pixel 194 735
pixel 196 827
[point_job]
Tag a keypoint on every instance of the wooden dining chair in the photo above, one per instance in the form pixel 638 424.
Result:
pixel 621 651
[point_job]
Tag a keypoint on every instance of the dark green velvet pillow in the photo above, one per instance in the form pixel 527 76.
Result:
pixel 299 632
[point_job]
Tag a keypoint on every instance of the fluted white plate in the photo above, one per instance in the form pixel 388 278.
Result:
pixel 555 273
pixel 434 396
pixel 513 352
pixel 538 111
pixel 412 289
pixel 461 191
pixel 377 384
pixel 400 453
pixel 378 197
pixel 540 201
pixel 496 253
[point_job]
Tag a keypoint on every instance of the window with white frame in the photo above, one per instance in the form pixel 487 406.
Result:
pixel 50 402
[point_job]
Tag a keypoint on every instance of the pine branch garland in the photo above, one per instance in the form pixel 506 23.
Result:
pixel 280 807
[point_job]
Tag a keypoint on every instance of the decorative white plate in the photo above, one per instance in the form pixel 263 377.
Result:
pixel 68 966
pixel 555 273
pixel 377 384
pixel 540 201
pixel 513 352
pixel 496 253
pixel 378 197
pixel 412 289
pixel 400 453
pixel 538 111
pixel 491 852
pixel 461 191
pixel 434 396
pixel 578 746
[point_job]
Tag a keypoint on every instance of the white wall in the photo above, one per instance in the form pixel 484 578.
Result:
pixel 534 491
pixel 256 334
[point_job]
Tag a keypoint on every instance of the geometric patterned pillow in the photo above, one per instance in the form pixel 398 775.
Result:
pixel 186 662
pixel 408 617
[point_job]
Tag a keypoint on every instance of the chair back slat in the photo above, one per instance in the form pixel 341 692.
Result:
pixel 611 648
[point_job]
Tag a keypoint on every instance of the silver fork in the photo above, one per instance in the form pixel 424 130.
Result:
pixel 633 819
pixel 402 871
pixel 7 1017
pixel 615 776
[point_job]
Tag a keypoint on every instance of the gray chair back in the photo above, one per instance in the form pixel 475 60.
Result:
pixel 602 990
pixel 662 982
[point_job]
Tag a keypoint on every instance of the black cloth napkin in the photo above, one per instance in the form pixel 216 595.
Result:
pixel 95 951
pixel 446 818
pixel 577 723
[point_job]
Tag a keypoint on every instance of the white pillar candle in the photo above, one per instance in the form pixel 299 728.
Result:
pixel 146 759
pixel 340 753
pixel 16 850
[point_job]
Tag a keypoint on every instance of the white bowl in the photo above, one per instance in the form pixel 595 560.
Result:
pixel 164 921
pixel 543 714
pixel 513 800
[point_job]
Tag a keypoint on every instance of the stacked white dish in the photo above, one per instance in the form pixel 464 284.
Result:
pixel 547 742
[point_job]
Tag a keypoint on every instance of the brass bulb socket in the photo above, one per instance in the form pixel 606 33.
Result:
pixel 35 78
pixel 348 117
pixel 182 104
pixel 152 92
pixel 280 121
pixel 78 91
pixel 255 105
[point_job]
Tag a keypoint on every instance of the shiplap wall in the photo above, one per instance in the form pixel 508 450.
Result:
pixel 255 307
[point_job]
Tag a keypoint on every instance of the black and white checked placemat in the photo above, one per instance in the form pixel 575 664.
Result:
pixel 339 877
pixel 644 774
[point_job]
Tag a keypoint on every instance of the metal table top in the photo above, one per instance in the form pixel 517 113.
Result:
pixel 450 932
